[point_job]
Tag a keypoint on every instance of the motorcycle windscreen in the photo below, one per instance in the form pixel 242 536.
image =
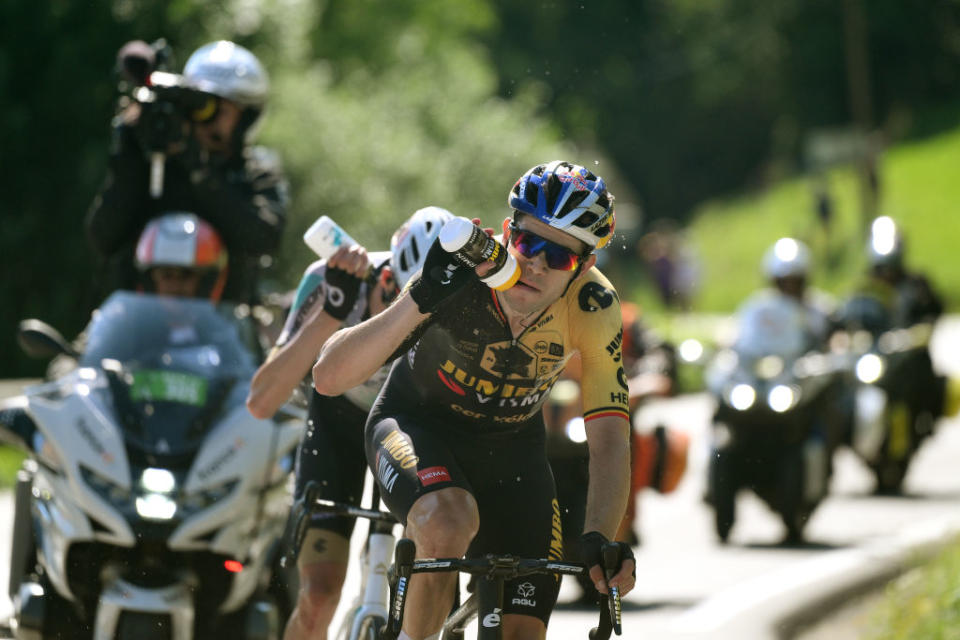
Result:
pixel 175 365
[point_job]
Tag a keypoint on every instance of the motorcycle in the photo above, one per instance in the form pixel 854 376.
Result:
pixel 152 503
pixel 897 396
pixel 778 419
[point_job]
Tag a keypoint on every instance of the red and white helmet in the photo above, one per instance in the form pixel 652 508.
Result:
pixel 184 240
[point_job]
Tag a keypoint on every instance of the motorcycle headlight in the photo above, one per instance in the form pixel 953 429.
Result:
pixel 157 480
pixel 576 430
pixel 690 350
pixel 104 487
pixel 781 398
pixel 742 397
pixel 869 368
pixel 156 506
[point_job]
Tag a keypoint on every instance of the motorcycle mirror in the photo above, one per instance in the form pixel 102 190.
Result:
pixel 37 339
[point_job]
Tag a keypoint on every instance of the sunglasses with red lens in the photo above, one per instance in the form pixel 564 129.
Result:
pixel 530 244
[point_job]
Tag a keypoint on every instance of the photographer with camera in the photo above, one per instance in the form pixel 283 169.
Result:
pixel 184 143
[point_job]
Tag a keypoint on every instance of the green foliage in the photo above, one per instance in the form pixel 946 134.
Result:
pixel 380 107
pixel 369 144
pixel 918 190
pixel 10 460
pixel 695 99
pixel 922 605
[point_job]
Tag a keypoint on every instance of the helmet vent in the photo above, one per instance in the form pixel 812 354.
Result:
pixel 586 219
pixel 552 189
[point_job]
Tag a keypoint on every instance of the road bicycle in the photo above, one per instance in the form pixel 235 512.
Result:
pixel 368 614
pixel 369 617
pixel 485 604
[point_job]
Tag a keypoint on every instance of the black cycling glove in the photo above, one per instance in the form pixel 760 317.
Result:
pixel 342 290
pixel 441 277
pixel 591 544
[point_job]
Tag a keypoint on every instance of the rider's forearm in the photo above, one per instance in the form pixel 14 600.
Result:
pixel 609 442
pixel 354 354
pixel 276 379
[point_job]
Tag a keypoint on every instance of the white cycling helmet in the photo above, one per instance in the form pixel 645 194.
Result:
pixel 788 257
pixel 410 243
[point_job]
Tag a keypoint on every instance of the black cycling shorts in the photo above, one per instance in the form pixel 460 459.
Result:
pixel 331 453
pixel 508 475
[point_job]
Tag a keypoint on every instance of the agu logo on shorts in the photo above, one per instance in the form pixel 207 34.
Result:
pixel 433 475
pixel 526 592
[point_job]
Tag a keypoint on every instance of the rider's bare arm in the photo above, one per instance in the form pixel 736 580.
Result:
pixel 609 441
pixel 276 379
pixel 355 353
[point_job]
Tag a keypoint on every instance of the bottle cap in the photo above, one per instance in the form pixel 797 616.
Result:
pixel 504 277
pixel 455 233
pixel 325 236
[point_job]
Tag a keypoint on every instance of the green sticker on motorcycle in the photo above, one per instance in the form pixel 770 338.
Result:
pixel 168 386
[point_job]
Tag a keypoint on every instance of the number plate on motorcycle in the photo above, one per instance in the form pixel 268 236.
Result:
pixel 168 386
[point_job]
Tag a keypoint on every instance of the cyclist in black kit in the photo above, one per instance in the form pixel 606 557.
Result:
pixel 349 287
pixel 456 437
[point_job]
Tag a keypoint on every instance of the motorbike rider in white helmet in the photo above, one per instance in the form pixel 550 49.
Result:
pixel 349 287
pixel 908 296
pixel 800 316
pixel 209 164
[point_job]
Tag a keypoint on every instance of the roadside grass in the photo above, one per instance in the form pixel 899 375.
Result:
pixel 10 460
pixel 923 604
pixel 918 189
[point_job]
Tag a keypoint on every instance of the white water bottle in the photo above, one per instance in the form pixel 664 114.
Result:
pixel 325 236
pixel 470 245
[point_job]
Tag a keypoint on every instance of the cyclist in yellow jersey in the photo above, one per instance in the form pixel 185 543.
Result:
pixel 456 438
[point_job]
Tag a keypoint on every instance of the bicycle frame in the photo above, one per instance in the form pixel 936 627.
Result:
pixel 370 606
pixel 374 587
pixel 486 603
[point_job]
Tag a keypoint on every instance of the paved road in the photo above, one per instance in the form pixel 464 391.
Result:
pixel 691 587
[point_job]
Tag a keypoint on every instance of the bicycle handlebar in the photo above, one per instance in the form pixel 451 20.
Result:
pixel 504 567
pixel 308 504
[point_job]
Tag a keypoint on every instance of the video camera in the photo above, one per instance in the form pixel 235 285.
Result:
pixel 167 105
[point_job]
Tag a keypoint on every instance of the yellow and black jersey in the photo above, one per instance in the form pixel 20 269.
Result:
pixel 466 367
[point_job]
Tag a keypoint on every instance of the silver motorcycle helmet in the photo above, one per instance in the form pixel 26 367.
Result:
pixel 885 244
pixel 227 70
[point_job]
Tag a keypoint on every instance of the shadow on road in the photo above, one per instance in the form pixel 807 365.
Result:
pixel 626 605
pixel 805 545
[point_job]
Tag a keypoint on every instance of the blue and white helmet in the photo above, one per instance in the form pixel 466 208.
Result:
pixel 410 243
pixel 568 197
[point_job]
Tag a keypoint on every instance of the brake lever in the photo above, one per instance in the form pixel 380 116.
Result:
pixel 610 555
pixel 296 529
